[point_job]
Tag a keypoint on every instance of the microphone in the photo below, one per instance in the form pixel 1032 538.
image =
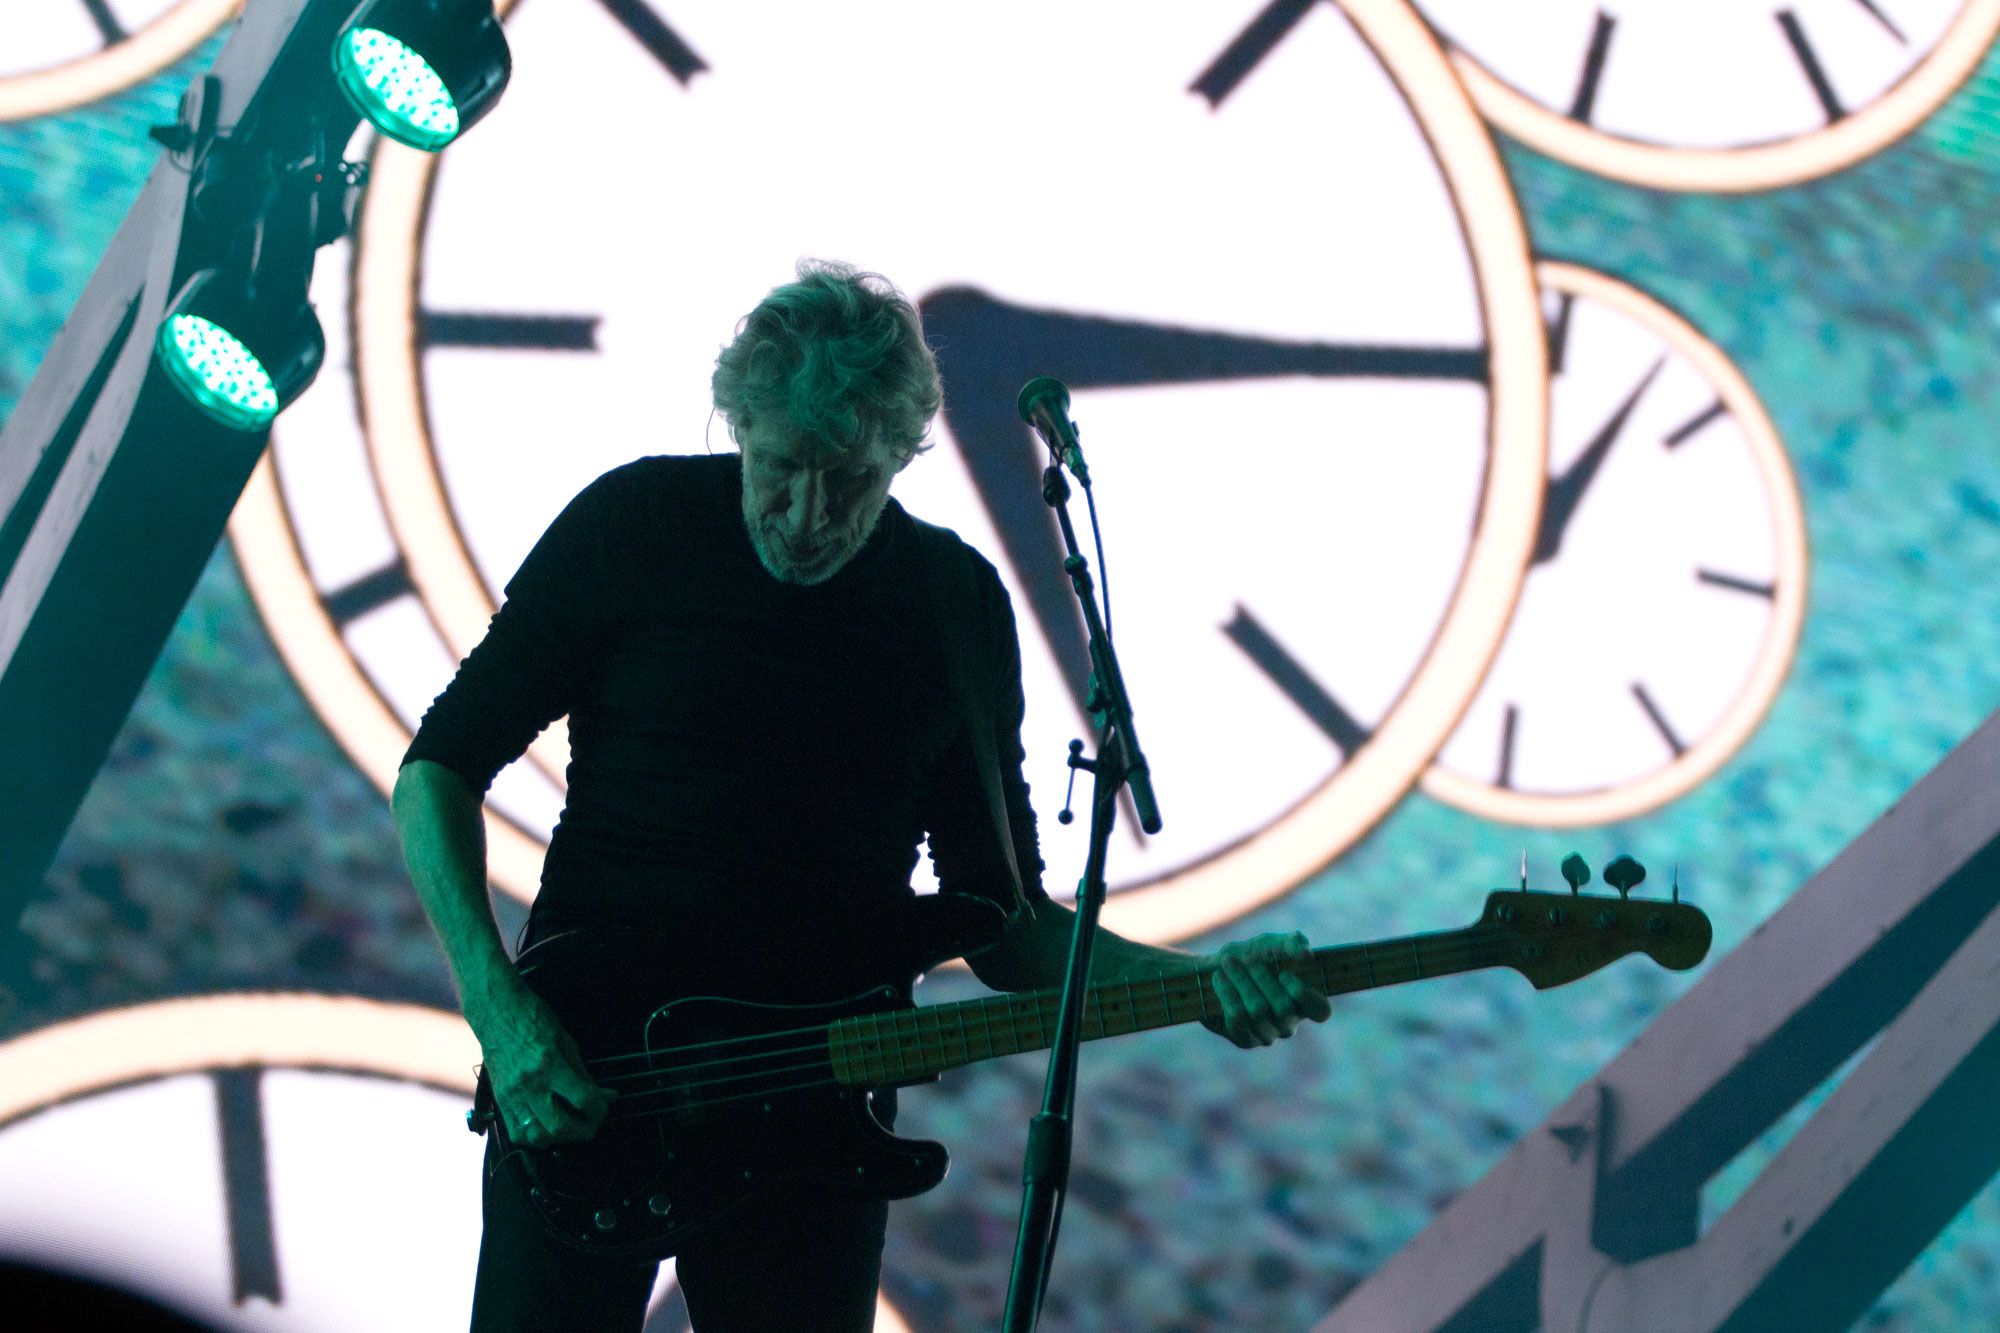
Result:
pixel 1044 404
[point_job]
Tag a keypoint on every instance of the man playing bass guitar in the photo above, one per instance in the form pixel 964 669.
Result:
pixel 762 730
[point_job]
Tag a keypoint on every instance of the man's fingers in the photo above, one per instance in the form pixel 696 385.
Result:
pixel 577 1089
pixel 1253 1022
pixel 1308 1001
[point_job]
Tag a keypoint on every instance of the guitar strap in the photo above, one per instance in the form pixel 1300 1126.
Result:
pixel 971 658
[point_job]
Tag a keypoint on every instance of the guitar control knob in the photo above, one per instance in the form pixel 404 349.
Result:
pixel 659 1205
pixel 605 1218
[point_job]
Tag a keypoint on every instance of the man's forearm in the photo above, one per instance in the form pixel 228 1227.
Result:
pixel 444 845
pixel 1037 952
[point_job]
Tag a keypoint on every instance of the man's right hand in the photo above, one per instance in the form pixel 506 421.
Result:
pixel 536 1072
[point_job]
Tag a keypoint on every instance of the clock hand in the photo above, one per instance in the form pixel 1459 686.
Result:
pixel 1565 493
pixel 987 348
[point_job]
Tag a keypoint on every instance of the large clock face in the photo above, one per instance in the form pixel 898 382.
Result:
pixel 56 54
pixel 1274 257
pixel 1713 94
pixel 244 1158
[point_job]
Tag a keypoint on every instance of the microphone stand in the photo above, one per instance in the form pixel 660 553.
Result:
pixel 1045 1170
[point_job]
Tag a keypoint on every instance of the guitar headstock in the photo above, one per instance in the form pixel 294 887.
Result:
pixel 1554 938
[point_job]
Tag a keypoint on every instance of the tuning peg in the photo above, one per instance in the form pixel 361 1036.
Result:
pixel 1524 870
pixel 1575 871
pixel 1624 874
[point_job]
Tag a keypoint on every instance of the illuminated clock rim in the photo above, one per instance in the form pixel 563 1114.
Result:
pixel 1781 632
pixel 119 66
pixel 1276 859
pixel 1751 167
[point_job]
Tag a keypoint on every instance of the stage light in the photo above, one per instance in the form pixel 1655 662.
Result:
pixel 422 71
pixel 239 363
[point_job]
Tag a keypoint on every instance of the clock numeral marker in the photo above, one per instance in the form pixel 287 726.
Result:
pixel 1558 333
pixel 1659 720
pixel 108 26
pixel 1593 68
pixel 1249 49
pixel 545 333
pixel 1809 62
pixel 1297 684
pixel 1680 433
pixel 246 1182
pixel 377 589
pixel 650 31
pixel 1734 584
pixel 1507 729
pixel 1884 20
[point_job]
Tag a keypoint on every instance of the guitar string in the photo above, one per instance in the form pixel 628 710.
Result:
pixel 899 1041
pixel 625 1107
pixel 1471 935
pixel 820 1035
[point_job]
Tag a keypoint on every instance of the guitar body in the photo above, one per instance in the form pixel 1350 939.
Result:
pixel 720 1099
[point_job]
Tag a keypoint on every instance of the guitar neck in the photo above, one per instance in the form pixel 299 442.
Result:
pixel 912 1045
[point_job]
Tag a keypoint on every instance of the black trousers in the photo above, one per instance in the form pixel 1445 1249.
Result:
pixel 798 1262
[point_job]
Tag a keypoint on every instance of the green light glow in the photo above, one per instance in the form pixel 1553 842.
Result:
pixel 218 372
pixel 396 88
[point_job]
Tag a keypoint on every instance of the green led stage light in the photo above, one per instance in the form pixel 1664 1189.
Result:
pixel 240 365
pixel 422 71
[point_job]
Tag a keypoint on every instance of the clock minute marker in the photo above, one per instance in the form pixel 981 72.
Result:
pixel 1884 20
pixel 1508 727
pixel 107 23
pixel 1674 438
pixel 370 592
pixel 1768 591
pixel 1559 332
pixel 1659 720
pixel 1248 50
pixel 651 31
pixel 1296 683
pixel 1585 100
pixel 490 329
pixel 246 1183
pixel 1795 36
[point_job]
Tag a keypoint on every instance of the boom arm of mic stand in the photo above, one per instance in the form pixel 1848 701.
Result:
pixel 1116 703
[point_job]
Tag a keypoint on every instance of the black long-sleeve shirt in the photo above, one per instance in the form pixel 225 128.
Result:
pixel 753 763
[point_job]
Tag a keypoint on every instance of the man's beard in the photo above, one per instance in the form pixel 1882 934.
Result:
pixel 836 548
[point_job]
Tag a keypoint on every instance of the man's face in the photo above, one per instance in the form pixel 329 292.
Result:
pixel 809 510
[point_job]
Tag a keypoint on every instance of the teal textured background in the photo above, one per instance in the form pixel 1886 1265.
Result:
pixel 229 843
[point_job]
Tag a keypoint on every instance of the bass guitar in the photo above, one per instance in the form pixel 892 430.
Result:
pixel 721 1097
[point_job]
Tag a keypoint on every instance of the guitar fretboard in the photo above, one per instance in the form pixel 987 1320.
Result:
pixel 916 1044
